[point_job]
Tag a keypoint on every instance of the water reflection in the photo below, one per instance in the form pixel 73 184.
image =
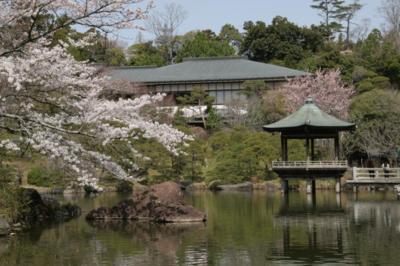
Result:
pixel 312 231
pixel 163 239
pixel 327 203
pixel 242 229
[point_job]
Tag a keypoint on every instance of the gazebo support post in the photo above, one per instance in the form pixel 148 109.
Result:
pixel 285 186
pixel 313 181
pixel 313 185
pixel 312 149
pixel 284 148
pixel 338 188
pixel 309 188
pixel 337 151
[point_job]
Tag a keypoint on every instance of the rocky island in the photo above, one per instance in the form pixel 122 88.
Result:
pixel 161 203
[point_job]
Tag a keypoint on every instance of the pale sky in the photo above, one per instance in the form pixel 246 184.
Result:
pixel 213 14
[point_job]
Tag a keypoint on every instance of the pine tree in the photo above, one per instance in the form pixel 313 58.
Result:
pixel 346 13
pixel 328 10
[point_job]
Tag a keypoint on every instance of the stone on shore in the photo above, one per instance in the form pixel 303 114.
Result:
pixel 246 186
pixel 197 187
pixel 162 203
pixel 4 227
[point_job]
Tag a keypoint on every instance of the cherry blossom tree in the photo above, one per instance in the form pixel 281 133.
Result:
pixel 327 89
pixel 51 102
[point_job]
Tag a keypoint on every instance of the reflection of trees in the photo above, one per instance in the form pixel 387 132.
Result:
pixel 374 230
pixel 312 238
pixel 163 239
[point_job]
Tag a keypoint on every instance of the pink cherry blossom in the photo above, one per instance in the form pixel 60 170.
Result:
pixel 50 101
pixel 327 89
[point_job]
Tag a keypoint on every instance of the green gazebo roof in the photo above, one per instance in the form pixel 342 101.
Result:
pixel 309 119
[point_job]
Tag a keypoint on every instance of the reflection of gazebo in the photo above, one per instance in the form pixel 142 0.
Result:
pixel 309 123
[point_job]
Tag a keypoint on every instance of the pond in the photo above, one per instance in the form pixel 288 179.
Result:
pixel 242 229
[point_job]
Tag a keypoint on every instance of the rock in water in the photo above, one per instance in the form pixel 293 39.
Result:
pixel 44 209
pixel 4 227
pixel 161 203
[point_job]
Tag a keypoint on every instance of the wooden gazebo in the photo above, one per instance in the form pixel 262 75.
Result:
pixel 309 123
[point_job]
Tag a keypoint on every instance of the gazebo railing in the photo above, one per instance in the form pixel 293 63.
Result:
pixel 309 164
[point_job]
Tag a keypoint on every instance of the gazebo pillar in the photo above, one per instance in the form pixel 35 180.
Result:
pixel 338 187
pixel 284 157
pixel 337 147
pixel 310 186
pixel 312 149
pixel 284 148
pixel 285 186
pixel 313 181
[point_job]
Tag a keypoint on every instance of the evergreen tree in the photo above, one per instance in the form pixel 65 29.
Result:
pixel 145 54
pixel 231 35
pixel 198 97
pixel 281 42
pixel 204 44
pixel 347 13
pixel 328 10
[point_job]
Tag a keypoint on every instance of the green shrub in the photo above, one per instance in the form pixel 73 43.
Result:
pixel 45 177
pixel 124 186
pixel 12 205
pixel 8 174
pixel 240 155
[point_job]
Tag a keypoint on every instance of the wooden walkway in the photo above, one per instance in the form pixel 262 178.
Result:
pixel 375 176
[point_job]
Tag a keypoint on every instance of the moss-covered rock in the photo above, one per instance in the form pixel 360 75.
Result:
pixel 35 209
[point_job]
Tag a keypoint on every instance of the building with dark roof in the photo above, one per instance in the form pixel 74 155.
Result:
pixel 221 77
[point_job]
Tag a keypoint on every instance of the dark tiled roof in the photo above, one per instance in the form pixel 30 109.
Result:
pixel 205 69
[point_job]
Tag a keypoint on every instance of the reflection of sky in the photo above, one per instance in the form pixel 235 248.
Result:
pixel 212 14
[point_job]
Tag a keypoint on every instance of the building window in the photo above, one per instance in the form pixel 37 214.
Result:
pixel 228 97
pixel 220 97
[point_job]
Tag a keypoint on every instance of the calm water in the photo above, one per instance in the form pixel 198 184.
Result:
pixel 242 229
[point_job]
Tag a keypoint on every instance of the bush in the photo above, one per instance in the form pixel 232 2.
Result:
pixel 12 204
pixel 160 165
pixel 8 174
pixel 90 190
pixel 241 154
pixel 45 177
pixel 124 186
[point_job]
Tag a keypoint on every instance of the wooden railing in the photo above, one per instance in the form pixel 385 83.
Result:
pixel 309 164
pixel 375 173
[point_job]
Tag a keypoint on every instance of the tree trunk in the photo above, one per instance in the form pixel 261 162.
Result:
pixel 348 34
pixel 203 118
